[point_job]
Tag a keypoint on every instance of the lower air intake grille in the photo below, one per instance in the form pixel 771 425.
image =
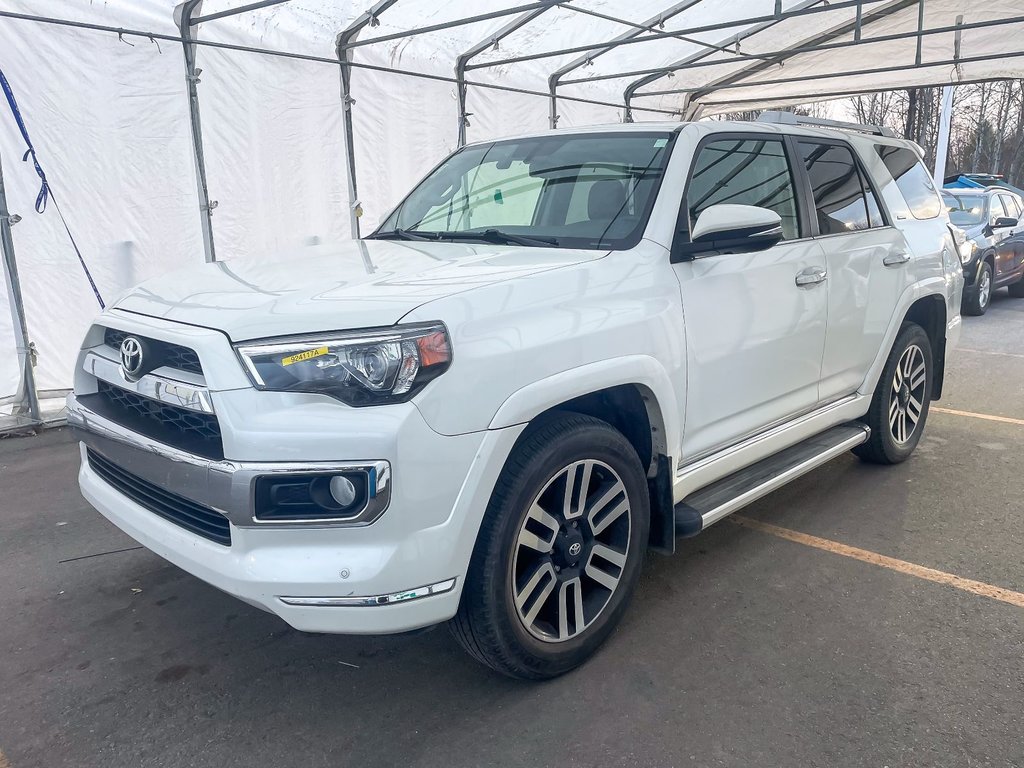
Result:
pixel 191 516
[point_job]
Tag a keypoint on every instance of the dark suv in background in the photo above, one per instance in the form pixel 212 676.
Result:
pixel 994 253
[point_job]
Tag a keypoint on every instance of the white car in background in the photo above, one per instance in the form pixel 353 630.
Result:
pixel 557 352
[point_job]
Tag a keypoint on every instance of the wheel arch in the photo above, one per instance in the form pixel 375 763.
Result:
pixel 929 312
pixel 635 396
pixel 989 257
pixel 627 382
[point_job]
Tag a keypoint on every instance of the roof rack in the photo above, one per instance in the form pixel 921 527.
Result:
pixel 789 118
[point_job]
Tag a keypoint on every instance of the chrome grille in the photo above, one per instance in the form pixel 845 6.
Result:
pixel 191 431
pixel 171 355
pixel 201 424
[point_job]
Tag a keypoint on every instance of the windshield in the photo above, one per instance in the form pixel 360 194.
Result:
pixel 573 191
pixel 965 210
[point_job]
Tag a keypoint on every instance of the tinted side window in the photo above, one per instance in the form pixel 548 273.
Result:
pixel 874 211
pixel 995 208
pixel 839 199
pixel 913 180
pixel 1010 204
pixel 744 172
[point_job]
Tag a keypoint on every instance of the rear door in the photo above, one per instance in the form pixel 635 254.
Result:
pixel 868 260
pixel 754 337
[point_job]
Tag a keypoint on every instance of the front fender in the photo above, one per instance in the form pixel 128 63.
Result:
pixel 526 403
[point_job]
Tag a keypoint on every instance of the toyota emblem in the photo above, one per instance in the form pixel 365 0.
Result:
pixel 131 357
pixel 575 548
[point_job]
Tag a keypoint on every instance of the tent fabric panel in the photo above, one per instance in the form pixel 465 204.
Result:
pixel 274 150
pixel 117 153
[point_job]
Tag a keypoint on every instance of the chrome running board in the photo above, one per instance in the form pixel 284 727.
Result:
pixel 710 504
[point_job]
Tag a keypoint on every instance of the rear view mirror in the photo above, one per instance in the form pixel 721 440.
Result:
pixel 730 228
pixel 1004 221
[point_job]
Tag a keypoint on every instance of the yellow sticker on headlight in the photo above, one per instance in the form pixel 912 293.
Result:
pixel 309 354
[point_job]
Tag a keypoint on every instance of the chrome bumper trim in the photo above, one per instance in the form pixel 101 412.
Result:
pixel 151 385
pixel 225 486
pixel 371 600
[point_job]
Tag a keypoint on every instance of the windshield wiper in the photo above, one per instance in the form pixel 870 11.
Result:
pixel 399 234
pixel 498 237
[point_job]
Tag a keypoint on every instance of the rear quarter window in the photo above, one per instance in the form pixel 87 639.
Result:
pixel 912 179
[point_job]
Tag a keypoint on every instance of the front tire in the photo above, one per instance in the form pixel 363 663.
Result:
pixel 899 407
pixel 976 300
pixel 559 551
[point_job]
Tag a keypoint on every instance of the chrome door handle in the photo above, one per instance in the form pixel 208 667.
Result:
pixel 811 276
pixel 895 259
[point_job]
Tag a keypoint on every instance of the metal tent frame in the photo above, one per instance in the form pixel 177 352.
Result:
pixel 189 19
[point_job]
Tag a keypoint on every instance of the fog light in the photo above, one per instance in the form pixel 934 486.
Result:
pixel 356 495
pixel 343 490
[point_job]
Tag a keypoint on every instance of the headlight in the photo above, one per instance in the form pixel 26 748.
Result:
pixel 369 367
pixel 967 250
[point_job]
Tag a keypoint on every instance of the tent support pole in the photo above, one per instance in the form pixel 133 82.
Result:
pixel 799 49
pixel 183 15
pixel 459 22
pixel 649 25
pixel 369 18
pixel 848 73
pixel 805 9
pixel 553 101
pixel 633 88
pixel 29 399
pixel 942 146
pixel 920 29
pixel 461 88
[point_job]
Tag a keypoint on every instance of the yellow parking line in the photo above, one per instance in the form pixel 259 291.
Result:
pixel 901 566
pixel 985 416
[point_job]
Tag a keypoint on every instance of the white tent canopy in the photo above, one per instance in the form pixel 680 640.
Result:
pixel 107 107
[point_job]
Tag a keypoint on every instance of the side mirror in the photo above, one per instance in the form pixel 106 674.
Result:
pixel 730 228
pixel 1004 221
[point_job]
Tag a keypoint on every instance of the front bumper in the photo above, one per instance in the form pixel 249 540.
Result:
pixel 972 270
pixel 404 571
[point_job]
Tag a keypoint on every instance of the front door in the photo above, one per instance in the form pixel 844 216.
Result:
pixel 754 337
pixel 1009 241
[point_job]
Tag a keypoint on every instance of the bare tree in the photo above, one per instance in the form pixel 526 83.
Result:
pixel 987 131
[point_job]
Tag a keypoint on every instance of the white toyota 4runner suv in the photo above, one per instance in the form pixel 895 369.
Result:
pixel 557 352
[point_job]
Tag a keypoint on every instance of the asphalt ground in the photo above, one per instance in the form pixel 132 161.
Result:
pixel 744 649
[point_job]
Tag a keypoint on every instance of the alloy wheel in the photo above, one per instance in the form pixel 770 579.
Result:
pixel 906 401
pixel 571 551
pixel 985 289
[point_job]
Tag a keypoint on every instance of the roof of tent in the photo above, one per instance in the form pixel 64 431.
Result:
pixel 655 54
pixel 660 55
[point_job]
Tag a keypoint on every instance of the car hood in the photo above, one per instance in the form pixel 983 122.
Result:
pixel 974 232
pixel 354 284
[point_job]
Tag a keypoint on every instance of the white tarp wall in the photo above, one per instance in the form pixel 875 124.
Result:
pixel 109 118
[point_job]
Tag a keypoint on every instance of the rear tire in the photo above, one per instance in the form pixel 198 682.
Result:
pixel 552 572
pixel 1017 289
pixel 899 407
pixel 977 299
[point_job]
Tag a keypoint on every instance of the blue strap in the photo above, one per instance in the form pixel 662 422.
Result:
pixel 45 193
